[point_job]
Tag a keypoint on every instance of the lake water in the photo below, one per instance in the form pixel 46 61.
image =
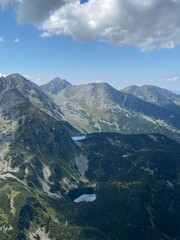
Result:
pixel 82 194
pixel 78 138
pixel 86 198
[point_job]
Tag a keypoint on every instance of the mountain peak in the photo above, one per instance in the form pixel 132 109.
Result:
pixel 100 84
pixel 55 86
pixel 17 79
pixel 15 75
pixel 31 92
pixel 91 92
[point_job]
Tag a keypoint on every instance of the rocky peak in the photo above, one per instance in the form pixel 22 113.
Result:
pixel 32 92
pixel 55 86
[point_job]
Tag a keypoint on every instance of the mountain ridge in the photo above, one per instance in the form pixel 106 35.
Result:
pixel 159 96
pixel 32 92
pixel 55 86
pixel 100 107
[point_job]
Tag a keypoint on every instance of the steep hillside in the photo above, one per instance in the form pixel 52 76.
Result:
pixel 32 92
pixel 37 162
pixel 99 107
pixel 159 96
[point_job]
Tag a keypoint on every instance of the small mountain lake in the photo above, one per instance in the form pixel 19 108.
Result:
pixel 82 195
pixel 86 198
pixel 78 138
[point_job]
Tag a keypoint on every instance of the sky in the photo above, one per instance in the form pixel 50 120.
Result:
pixel 122 42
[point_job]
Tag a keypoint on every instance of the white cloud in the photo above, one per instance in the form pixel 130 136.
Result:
pixel 28 77
pixel 173 79
pixel 147 24
pixel 169 79
pixel 2 75
pixel 16 40
pixel 39 79
pixel 2 39
pixel 169 44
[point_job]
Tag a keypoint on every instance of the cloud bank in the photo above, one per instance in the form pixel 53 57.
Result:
pixel 146 24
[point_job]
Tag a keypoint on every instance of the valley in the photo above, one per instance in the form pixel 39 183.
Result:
pixel 86 162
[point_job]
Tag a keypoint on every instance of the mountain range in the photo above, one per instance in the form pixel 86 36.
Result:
pixel 98 107
pixel 156 95
pixel 135 177
pixel 55 86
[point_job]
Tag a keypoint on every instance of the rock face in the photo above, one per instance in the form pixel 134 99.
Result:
pixel 101 108
pixel 135 177
pixel 30 91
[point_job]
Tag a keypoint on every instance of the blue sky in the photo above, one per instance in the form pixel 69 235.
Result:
pixel 82 52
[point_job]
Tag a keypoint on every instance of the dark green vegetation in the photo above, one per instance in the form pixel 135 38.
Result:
pixel 138 188
pixel 136 177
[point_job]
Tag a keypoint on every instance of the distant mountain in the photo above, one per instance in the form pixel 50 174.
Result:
pixel 55 86
pixel 99 107
pixel 156 95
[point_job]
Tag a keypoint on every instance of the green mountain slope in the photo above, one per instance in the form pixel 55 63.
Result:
pixel 135 177
pixel 37 164
pixel 100 107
